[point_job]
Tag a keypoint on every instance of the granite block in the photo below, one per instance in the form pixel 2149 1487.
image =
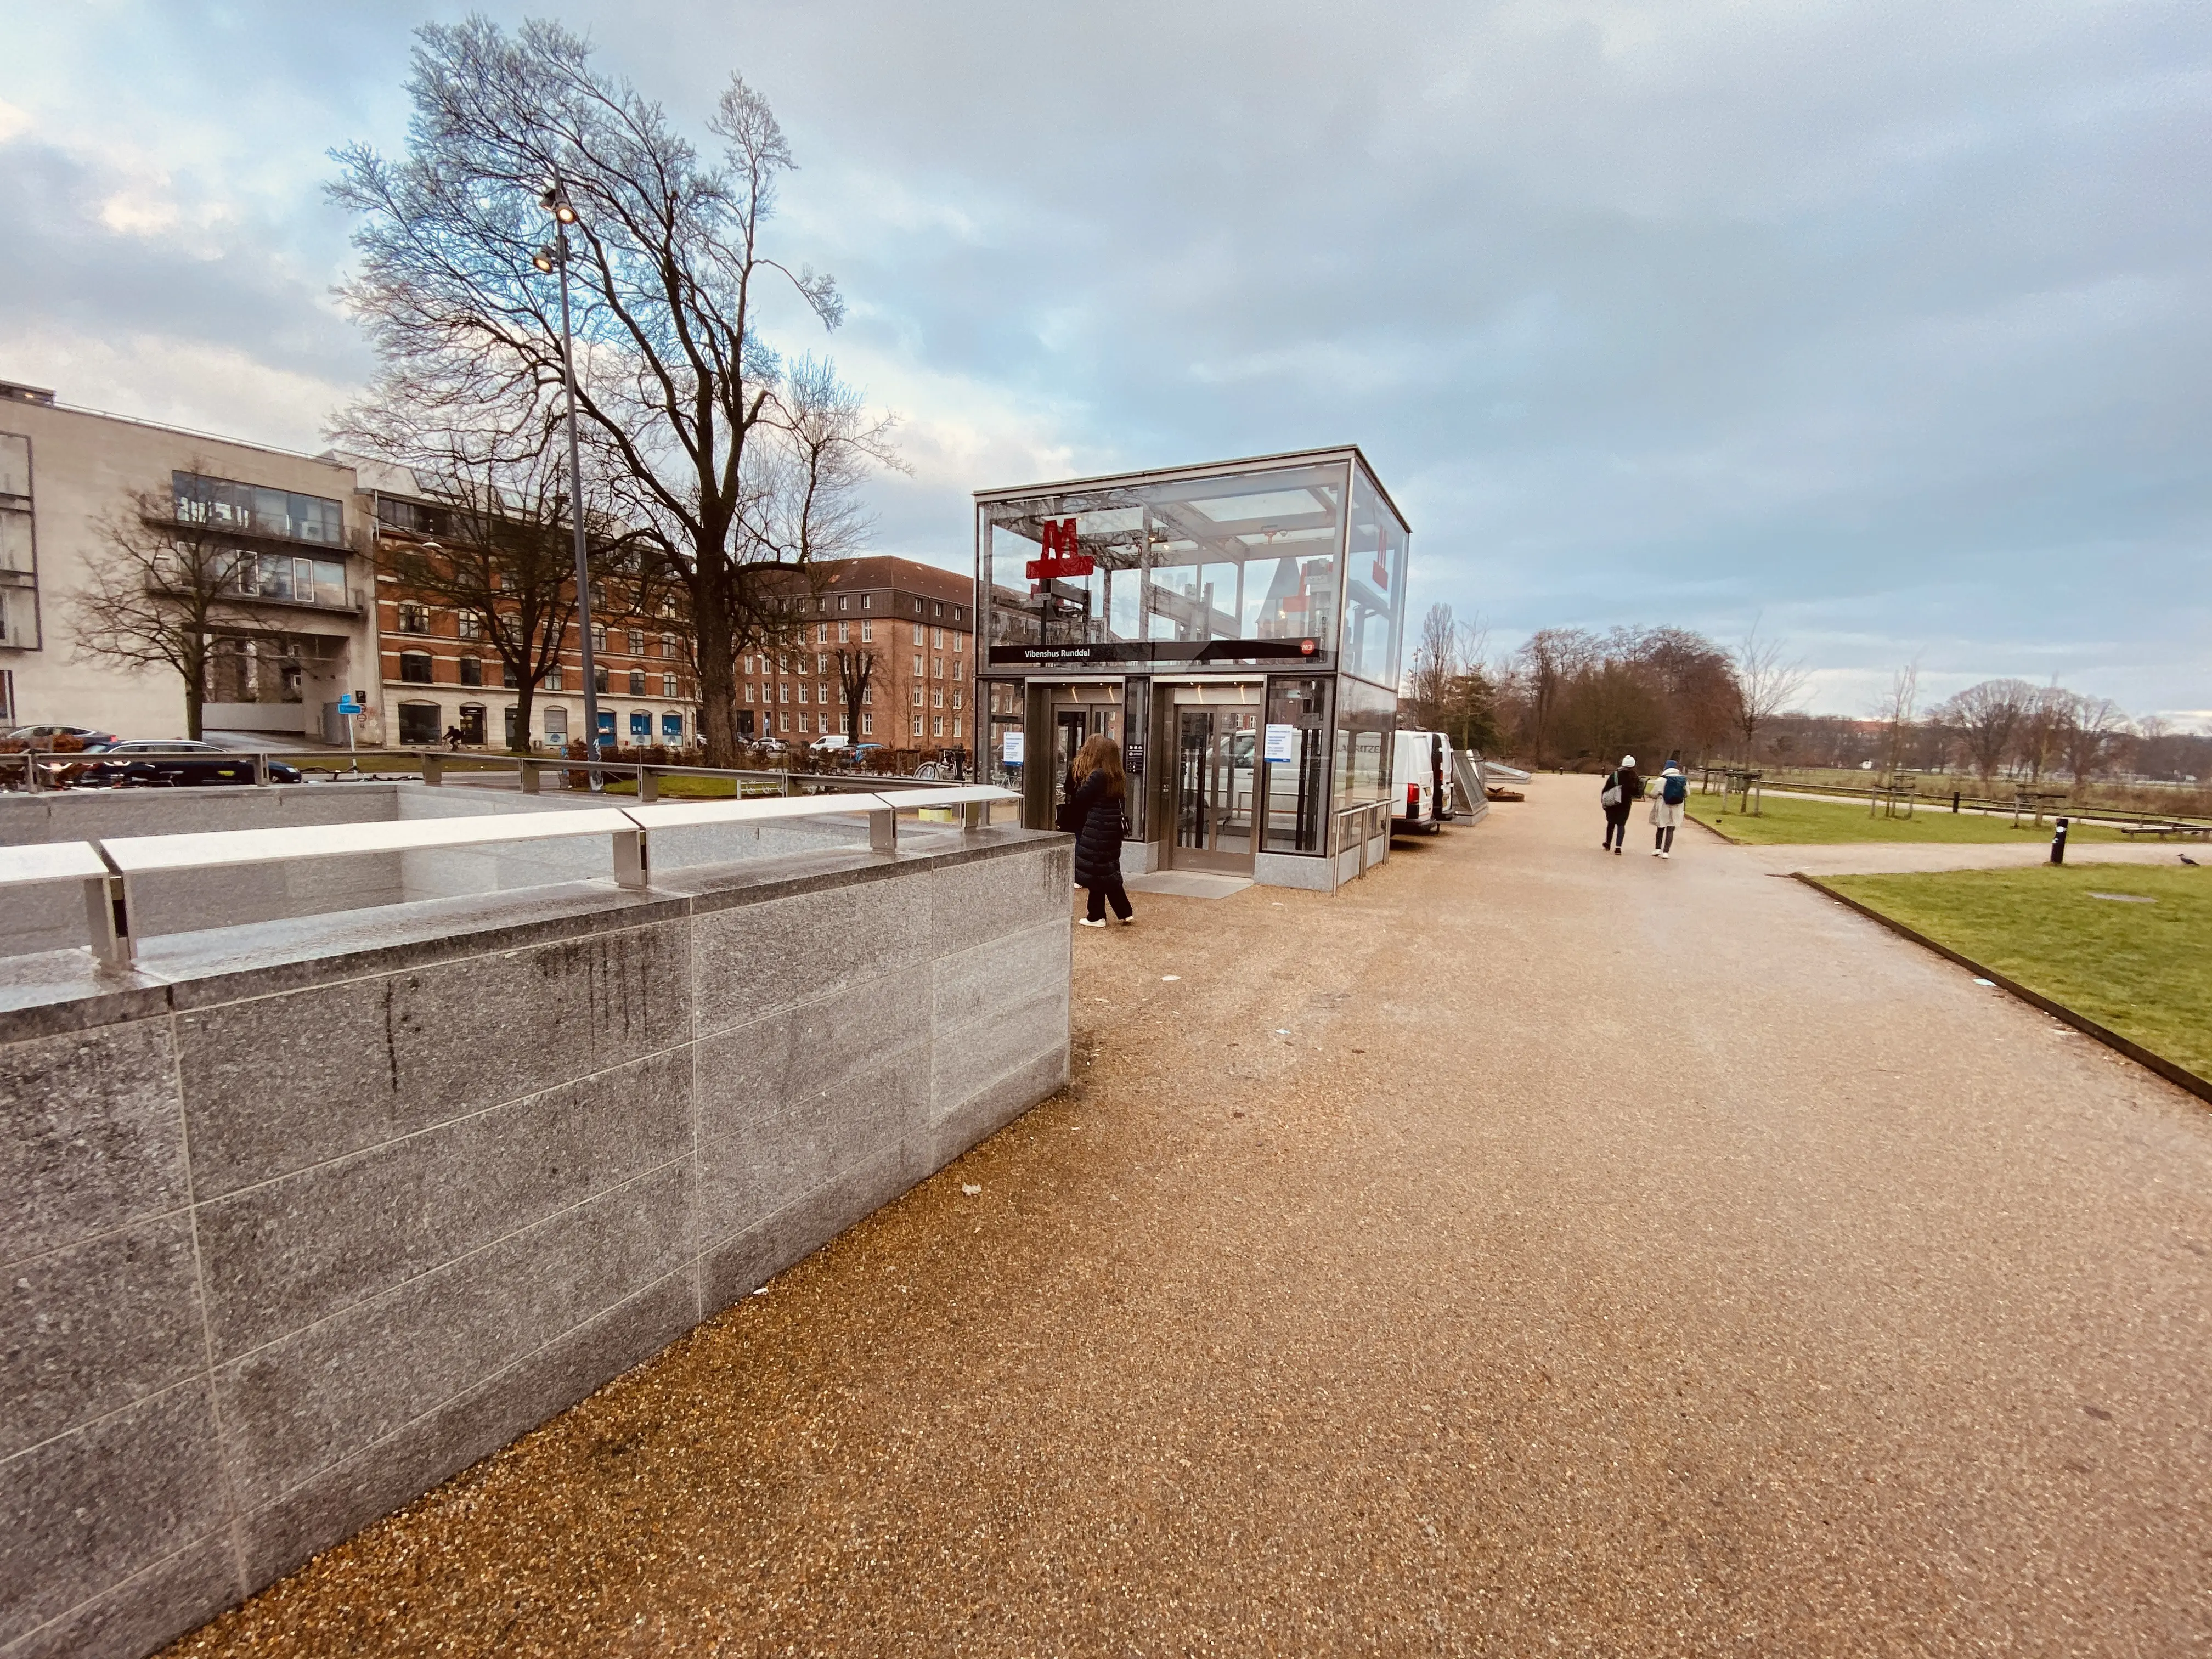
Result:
pixel 91 1138
pixel 996 1104
pixel 738 1266
pixel 341 1499
pixel 966 1057
pixel 796 1053
pixel 282 1256
pixel 80 1514
pixel 145 1610
pixel 752 958
pixel 88 1328
pixel 1006 971
pixel 277 1084
pixel 758 1153
pixel 987 898
pixel 309 1401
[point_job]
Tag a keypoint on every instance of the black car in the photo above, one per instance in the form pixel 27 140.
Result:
pixel 173 763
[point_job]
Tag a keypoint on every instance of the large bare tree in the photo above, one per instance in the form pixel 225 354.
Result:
pixel 1766 684
pixel 2090 734
pixel 1986 717
pixel 1896 711
pixel 169 581
pixel 743 467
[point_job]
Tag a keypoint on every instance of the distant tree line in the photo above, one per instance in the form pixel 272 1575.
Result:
pixel 1572 696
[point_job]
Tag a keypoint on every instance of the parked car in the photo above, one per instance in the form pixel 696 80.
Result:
pixel 174 763
pixel 43 738
pixel 1421 782
pixel 829 744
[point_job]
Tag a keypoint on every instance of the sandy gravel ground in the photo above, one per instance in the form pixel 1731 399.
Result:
pixel 1525 1252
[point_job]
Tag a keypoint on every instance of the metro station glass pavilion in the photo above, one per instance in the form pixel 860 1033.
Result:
pixel 1236 627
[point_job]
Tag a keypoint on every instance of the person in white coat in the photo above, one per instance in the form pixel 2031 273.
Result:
pixel 1669 791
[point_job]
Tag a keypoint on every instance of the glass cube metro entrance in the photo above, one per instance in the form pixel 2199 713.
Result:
pixel 1236 627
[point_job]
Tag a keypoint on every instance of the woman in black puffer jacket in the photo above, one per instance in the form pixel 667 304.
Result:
pixel 1095 809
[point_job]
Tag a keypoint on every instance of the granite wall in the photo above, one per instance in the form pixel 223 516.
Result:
pixel 307 1219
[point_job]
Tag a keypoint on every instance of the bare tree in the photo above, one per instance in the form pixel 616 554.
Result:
pixel 2091 731
pixel 1895 711
pixel 168 583
pixel 1986 717
pixel 1766 684
pixel 742 467
pixel 855 669
pixel 499 549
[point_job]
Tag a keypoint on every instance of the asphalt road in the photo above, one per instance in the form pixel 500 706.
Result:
pixel 1525 1251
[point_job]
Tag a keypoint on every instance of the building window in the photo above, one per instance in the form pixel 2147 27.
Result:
pixel 864 601
pixel 783 691
pixel 672 728
pixel 556 724
pixel 822 633
pixel 955 698
pixel 668 685
pixel 418 722
pixel 641 727
pixel 787 722
pixel 264 511
pixel 937 635
pixel 414 619
pixel 867 726
pixel 917 630
pixel 917 726
pixel 552 680
pixel 917 668
pixel 802 690
pixel 668 650
pixel 936 726
pixel 841 605
pixel 599 637
pixel 937 698
pixel 956 728
pixel 868 696
pixel 821 662
pixel 867 632
pixel 468 625
pixel 637 682
pixel 472 671
pixel 599 677
pixel 822 693
pixel 415 669
pixel 940 607
pixel 805 723
pixel 937 668
pixel 506 674
pixel 749 690
pixel 917 697
pixel 636 643
pixel 959 643
pixel 471 722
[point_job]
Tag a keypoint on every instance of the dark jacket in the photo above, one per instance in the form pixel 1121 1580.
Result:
pixel 1097 819
pixel 1632 787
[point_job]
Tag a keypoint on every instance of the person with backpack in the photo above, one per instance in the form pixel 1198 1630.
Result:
pixel 1622 788
pixel 1667 810
pixel 1094 811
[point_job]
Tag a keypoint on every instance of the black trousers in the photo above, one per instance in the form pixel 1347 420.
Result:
pixel 1663 838
pixel 1616 826
pixel 1103 893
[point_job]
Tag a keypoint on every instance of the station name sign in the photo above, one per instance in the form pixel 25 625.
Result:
pixel 1161 651
pixel 1060 558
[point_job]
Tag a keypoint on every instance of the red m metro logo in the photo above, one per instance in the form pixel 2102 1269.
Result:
pixel 1061 558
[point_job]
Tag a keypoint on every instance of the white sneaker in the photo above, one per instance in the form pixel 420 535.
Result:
pixel 1656 853
pixel 1666 855
pixel 1086 921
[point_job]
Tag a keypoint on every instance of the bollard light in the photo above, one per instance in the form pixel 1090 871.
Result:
pixel 2058 841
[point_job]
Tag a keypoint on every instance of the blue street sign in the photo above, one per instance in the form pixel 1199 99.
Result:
pixel 347 705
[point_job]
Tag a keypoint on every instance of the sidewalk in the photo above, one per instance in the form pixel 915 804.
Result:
pixel 1524 1250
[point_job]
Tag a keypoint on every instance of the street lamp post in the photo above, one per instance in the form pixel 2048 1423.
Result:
pixel 552 259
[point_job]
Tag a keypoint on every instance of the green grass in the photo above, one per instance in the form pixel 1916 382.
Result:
pixel 1799 822
pixel 2145 970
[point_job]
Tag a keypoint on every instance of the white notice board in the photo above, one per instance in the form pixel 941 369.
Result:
pixel 1282 743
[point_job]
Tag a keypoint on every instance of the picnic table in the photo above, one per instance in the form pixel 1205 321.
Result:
pixel 2186 832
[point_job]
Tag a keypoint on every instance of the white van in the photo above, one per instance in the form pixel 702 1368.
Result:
pixel 1421 782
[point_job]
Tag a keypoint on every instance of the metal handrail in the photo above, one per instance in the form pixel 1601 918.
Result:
pixel 105 868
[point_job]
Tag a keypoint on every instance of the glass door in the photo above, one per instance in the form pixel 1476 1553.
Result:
pixel 1215 794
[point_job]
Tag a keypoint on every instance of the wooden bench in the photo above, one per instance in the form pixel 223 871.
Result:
pixel 2188 831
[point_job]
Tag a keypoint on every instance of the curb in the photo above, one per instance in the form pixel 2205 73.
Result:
pixel 2179 1076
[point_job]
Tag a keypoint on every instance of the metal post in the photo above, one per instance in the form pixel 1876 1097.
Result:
pixel 576 492
pixel 30 769
pixel 633 863
pixel 648 785
pixel 2058 843
pixel 433 769
pixel 530 777
pixel 108 918
pixel 883 832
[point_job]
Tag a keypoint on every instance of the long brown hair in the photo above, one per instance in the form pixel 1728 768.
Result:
pixel 1102 754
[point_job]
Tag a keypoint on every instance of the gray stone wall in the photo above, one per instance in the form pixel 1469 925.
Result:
pixel 302 1225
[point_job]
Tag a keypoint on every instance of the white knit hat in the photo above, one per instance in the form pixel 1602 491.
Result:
pixel 1628 760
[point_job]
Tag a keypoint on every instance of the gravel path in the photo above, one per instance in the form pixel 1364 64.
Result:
pixel 1526 1251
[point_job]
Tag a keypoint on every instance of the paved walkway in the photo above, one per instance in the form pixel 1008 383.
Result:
pixel 1524 1251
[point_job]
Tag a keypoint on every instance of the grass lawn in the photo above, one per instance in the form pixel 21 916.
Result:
pixel 2145 970
pixel 1787 819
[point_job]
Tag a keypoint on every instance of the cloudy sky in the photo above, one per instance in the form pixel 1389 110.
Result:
pixel 1883 324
